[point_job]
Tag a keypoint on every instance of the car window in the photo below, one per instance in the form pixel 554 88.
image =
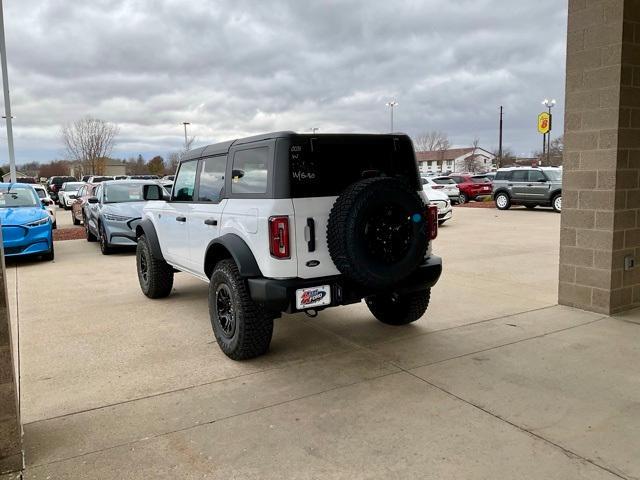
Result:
pixel 520 175
pixel 210 188
pixel 503 175
pixel 444 181
pixel 250 170
pixel 480 179
pixel 98 192
pixel 457 179
pixel 185 182
pixel 17 197
pixel 536 176
pixel 81 191
pixel 41 193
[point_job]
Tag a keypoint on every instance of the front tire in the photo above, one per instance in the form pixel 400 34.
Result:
pixel 242 328
pixel 155 275
pixel 105 248
pixel 556 203
pixel 503 202
pixel 90 236
pixel 397 309
pixel 50 255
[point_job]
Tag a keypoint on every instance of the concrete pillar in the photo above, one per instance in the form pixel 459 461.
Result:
pixel 11 459
pixel 601 190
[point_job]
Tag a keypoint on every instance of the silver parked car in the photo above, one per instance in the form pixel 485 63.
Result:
pixel 112 214
pixel 528 186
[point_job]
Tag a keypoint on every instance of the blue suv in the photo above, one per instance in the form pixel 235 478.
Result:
pixel 26 224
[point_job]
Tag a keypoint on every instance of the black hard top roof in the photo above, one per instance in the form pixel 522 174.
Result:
pixel 223 147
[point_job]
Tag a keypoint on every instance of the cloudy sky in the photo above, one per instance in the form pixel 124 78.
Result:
pixel 236 67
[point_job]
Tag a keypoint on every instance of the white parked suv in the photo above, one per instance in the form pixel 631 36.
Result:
pixel 68 190
pixel 284 223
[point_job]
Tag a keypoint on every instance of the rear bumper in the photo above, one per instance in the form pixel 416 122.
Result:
pixel 279 295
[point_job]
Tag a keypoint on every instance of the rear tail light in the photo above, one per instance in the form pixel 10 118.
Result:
pixel 432 215
pixel 279 237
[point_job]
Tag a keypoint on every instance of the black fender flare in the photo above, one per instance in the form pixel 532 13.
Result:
pixel 557 191
pixel 146 227
pixel 232 245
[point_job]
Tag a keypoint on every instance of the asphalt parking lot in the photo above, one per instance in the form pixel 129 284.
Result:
pixel 495 381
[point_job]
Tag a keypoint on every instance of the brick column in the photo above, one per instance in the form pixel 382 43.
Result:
pixel 601 191
pixel 10 428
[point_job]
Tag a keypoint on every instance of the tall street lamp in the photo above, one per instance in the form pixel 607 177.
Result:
pixel 185 134
pixel 391 104
pixel 549 104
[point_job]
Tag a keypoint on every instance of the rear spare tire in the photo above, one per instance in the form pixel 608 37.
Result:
pixel 377 232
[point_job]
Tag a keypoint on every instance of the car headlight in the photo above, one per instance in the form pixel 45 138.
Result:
pixel 115 218
pixel 37 223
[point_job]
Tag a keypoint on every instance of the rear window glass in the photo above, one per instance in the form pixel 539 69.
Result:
pixel 480 180
pixel 503 175
pixel 327 164
pixel 249 174
pixel 444 181
pixel 520 176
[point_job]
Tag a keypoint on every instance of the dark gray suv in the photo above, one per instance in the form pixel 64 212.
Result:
pixel 528 186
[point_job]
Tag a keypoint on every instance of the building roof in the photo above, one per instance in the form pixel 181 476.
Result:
pixel 450 154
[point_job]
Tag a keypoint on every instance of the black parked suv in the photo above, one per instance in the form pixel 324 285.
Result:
pixel 55 183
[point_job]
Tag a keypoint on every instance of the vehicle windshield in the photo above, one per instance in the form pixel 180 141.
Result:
pixel 17 197
pixel 553 175
pixel 72 186
pixel 444 181
pixel 123 192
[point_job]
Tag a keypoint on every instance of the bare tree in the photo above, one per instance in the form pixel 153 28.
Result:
pixel 431 141
pixel 89 141
pixel 471 162
pixel 175 157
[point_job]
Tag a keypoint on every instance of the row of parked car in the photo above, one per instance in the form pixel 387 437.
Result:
pixel 528 186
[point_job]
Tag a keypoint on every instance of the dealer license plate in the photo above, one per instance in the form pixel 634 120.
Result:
pixel 313 297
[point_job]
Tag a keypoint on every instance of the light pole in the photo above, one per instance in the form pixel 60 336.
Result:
pixel 185 131
pixel 7 102
pixel 391 104
pixel 500 139
pixel 549 104
pixel 314 129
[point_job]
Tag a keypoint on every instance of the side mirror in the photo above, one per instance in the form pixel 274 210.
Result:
pixel 92 200
pixel 542 180
pixel 44 202
pixel 152 192
pixel 235 174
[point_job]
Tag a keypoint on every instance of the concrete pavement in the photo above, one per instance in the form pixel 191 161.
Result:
pixel 494 382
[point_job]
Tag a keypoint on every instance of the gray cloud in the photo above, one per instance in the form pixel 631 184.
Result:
pixel 234 68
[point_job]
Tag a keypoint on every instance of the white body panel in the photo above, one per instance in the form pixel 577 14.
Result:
pixel 318 209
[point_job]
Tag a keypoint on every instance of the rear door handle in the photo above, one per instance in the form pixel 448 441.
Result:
pixel 211 221
pixel 181 219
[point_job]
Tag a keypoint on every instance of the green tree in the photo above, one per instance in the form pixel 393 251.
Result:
pixel 156 166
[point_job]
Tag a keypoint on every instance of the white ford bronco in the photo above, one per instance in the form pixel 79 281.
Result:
pixel 286 222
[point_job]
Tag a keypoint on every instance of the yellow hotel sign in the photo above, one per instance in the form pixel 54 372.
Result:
pixel 544 122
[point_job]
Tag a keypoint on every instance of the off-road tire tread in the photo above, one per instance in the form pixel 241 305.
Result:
pixel 253 323
pixel 412 307
pixel 160 272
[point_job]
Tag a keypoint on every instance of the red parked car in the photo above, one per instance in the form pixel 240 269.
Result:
pixel 472 186
pixel 77 207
